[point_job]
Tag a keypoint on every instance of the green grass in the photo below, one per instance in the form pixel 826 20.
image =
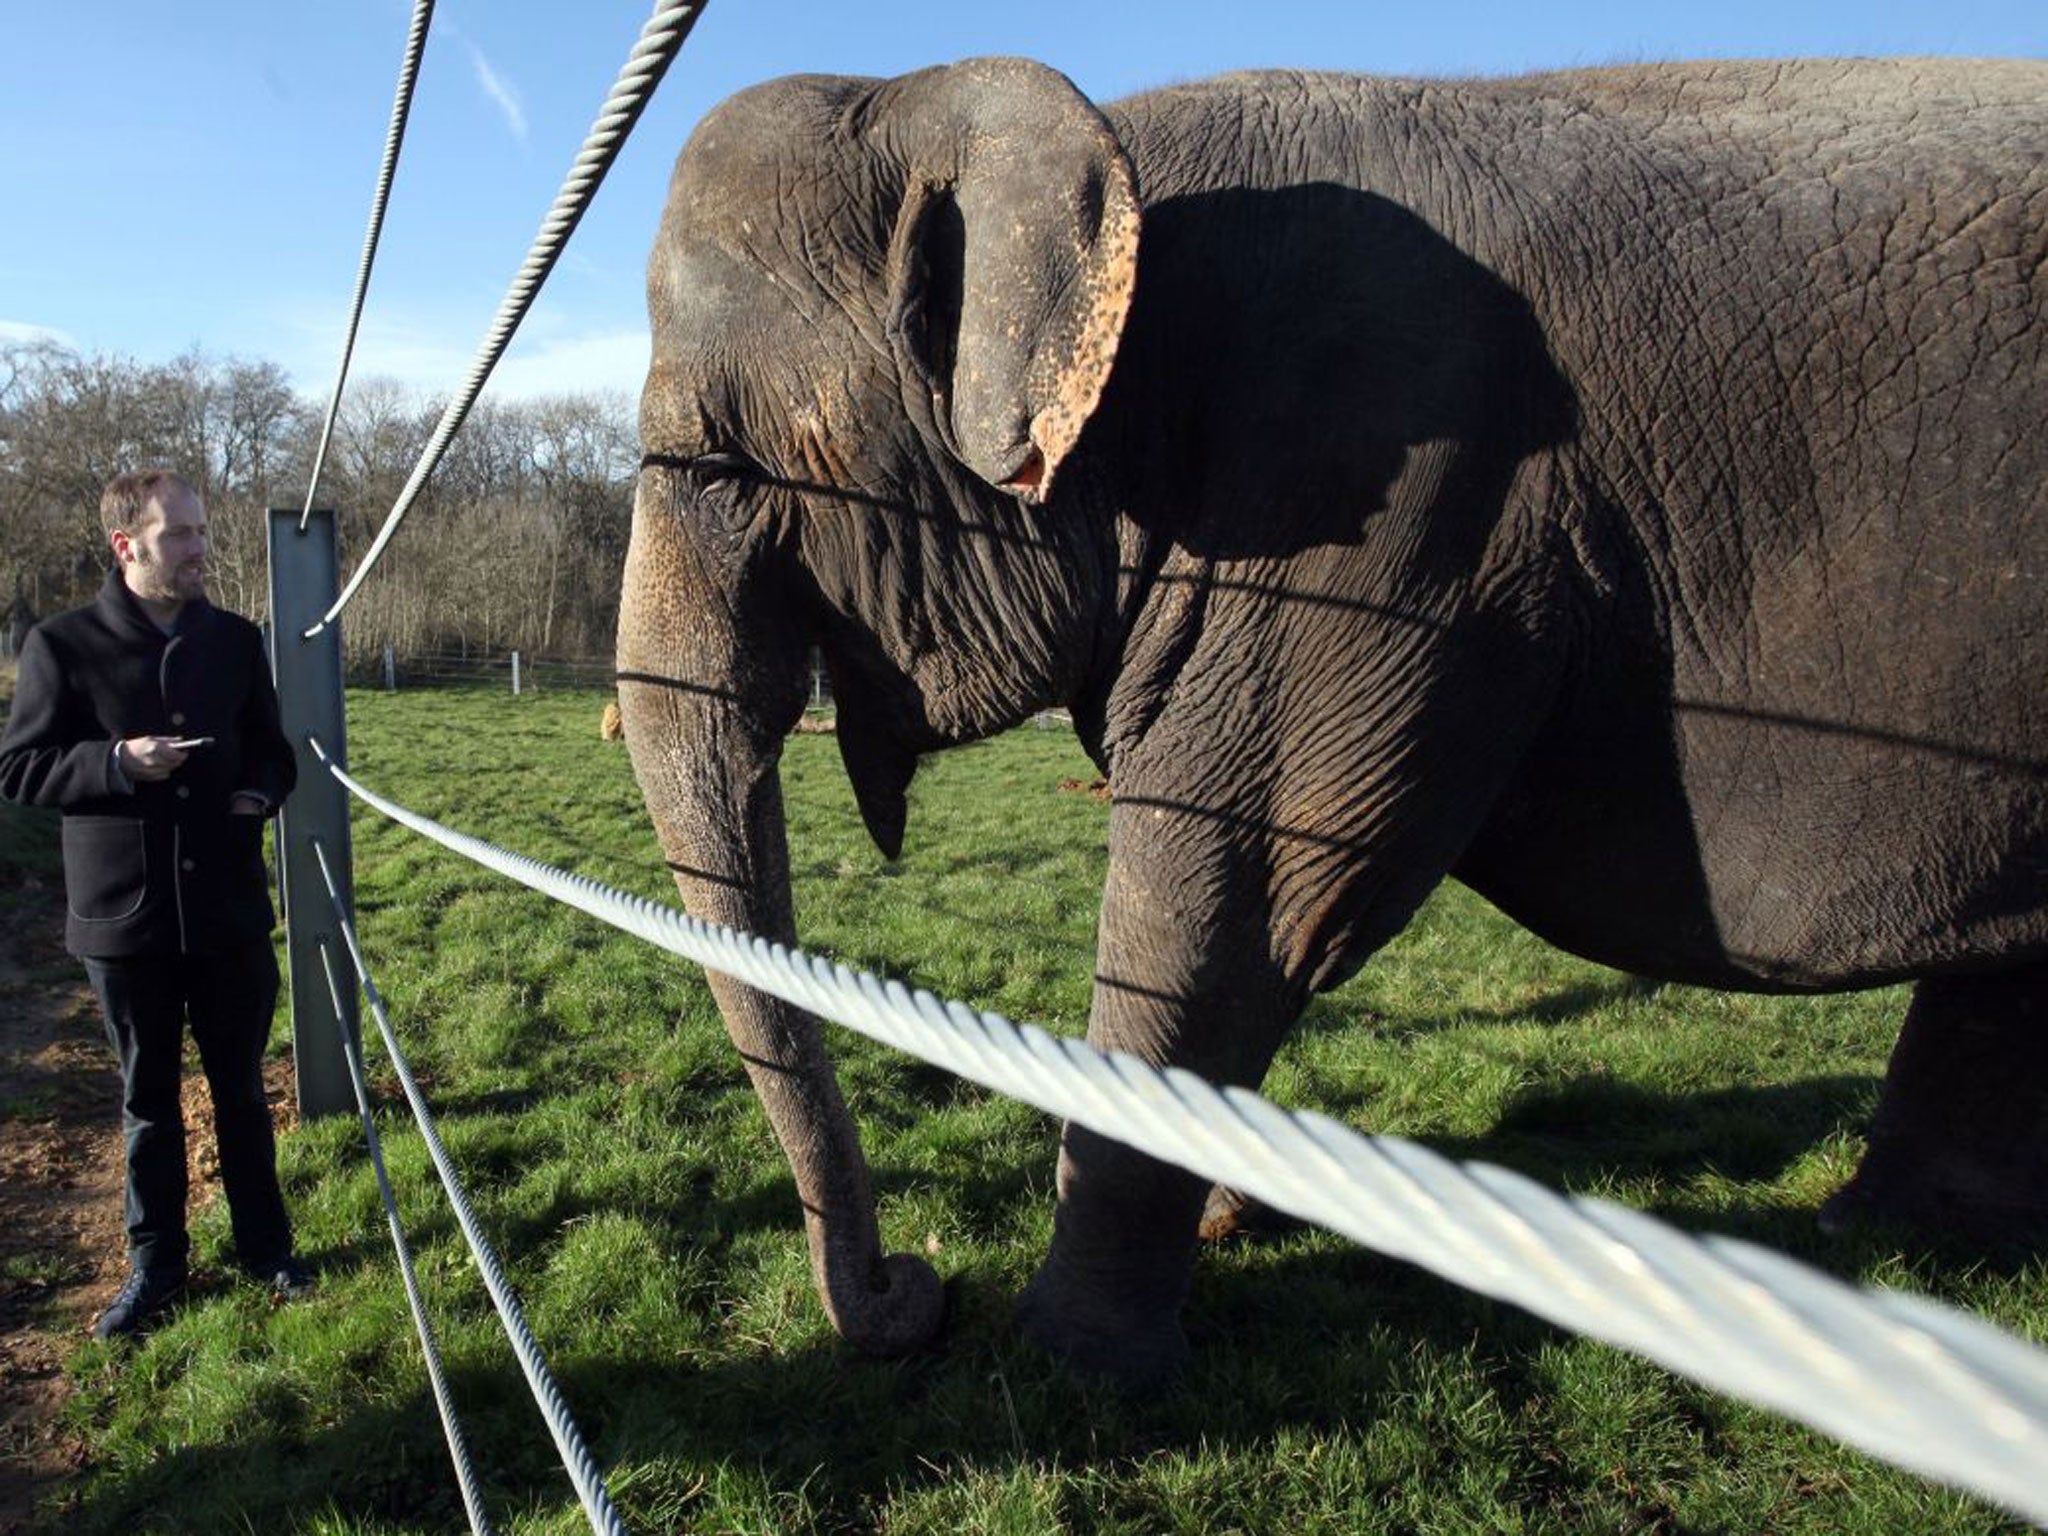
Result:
pixel 608 1141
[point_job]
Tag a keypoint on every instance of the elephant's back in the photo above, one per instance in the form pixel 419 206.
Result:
pixel 1430 142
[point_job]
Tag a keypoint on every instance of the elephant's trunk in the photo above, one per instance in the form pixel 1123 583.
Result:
pixel 708 771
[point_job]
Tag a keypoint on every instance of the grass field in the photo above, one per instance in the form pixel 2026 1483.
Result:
pixel 608 1141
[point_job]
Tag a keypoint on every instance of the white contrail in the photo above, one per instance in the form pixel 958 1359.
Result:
pixel 499 89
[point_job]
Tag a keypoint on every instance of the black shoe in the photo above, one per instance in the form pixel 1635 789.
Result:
pixel 288 1279
pixel 147 1295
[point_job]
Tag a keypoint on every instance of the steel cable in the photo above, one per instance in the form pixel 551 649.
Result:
pixel 576 1458
pixel 444 1404
pixel 394 138
pixel 1924 1386
pixel 660 39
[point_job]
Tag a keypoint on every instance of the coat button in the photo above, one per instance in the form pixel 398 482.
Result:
pixel 177 717
pixel 184 792
pixel 185 864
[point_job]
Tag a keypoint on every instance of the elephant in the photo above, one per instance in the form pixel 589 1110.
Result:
pixel 1622 490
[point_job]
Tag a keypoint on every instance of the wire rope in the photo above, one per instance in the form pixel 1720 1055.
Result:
pixel 660 39
pixel 576 1458
pixel 444 1404
pixel 394 139
pixel 1924 1386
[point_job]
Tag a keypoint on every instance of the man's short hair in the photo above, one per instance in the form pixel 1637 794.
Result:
pixel 126 497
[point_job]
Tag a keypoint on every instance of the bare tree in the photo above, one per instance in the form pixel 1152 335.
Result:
pixel 515 542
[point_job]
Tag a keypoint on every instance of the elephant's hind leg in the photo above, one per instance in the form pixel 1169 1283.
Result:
pixel 1226 1213
pixel 1959 1145
pixel 1231 1213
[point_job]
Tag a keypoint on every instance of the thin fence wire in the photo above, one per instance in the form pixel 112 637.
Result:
pixel 1921 1385
pixel 569 1444
pixel 660 40
pixel 444 1403
pixel 394 140
pixel 496 668
pixel 483 668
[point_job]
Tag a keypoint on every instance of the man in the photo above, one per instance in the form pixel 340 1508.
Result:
pixel 148 718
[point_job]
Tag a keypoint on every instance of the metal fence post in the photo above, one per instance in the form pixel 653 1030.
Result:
pixel 390 668
pixel 515 674
pixel 303 580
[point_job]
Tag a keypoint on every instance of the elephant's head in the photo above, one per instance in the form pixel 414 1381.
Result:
pixel 883 313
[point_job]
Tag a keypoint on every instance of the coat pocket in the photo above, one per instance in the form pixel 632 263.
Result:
pixel 106 867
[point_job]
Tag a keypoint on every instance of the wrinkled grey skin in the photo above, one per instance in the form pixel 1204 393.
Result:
pixel 1621 490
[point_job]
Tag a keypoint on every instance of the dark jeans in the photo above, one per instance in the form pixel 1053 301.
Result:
pixel 228 999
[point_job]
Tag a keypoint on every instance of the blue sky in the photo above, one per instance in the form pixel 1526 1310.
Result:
pixel 198 175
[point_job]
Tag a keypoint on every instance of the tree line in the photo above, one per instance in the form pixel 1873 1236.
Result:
pixel 515 543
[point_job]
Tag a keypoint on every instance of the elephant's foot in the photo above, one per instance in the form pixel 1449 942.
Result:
pixel 1959 1145
pixel 1107 1299
pixel 1128 1341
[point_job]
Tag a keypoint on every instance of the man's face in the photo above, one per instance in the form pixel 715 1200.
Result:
pixel 163 557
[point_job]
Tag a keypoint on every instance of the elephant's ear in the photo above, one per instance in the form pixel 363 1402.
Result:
pixel 1011 263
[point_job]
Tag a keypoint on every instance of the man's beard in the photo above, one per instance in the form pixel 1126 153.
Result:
pixel 168 583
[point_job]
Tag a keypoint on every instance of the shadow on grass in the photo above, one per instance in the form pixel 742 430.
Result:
pixel 1566 1005
pixel 1599 1128
pixel 452 1106
pixel 381 1462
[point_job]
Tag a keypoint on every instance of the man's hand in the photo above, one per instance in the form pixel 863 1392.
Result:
pixel 149 758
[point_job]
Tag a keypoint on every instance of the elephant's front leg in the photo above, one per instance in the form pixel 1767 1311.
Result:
pixel 1186 976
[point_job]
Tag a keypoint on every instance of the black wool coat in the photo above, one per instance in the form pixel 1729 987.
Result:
pixel 150 868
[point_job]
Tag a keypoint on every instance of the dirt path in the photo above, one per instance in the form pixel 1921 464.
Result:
pixel 61 1255
pixel 62 1251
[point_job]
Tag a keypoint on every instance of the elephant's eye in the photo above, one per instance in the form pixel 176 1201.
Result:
pixel 703 467
pixel 713 468
pixel 719 483
pixel 703 470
